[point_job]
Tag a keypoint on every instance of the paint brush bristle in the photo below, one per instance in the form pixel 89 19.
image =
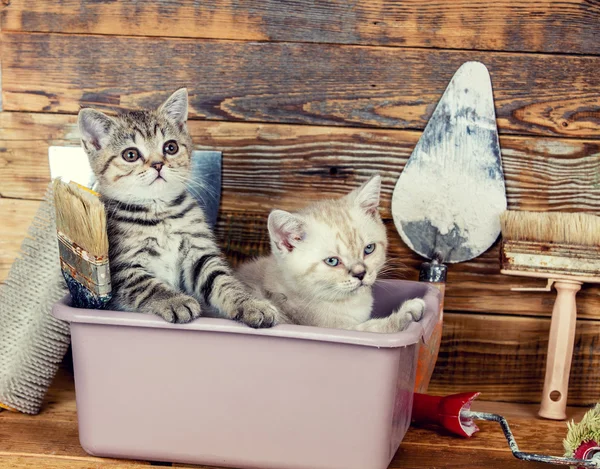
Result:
pixel 581 229
pixel 81 217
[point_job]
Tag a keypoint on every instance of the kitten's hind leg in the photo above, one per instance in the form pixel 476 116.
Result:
pixel 399 320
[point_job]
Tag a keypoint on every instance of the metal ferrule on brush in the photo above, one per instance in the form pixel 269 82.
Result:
pixel 90 271
pixel 553 259
pixel 433 272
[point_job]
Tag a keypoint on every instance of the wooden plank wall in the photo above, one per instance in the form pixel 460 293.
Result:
pixel 306 99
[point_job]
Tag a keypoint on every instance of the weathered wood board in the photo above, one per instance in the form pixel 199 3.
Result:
pixel 288 165
pixel 291 160
pixel 504 357
pixel 319 84
pixel 551 26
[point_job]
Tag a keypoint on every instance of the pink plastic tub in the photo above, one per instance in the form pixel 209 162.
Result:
pixel 216 392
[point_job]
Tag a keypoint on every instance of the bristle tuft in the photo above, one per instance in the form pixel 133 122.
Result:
pixel 553 227
pixel 80 215
pixel 586 430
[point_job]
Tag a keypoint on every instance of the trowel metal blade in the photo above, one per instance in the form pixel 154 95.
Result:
pixel 71 164
pixel 448 200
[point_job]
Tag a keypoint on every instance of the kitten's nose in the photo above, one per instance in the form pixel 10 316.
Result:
pixel 359 275
pixel 158 166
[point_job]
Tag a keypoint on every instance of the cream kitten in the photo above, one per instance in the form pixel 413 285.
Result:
pixel 324 260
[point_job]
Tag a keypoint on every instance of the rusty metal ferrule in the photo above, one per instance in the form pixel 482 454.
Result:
pixel 433 272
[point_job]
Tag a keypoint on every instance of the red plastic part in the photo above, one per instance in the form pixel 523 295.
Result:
pixel 445 411
pixel 587 450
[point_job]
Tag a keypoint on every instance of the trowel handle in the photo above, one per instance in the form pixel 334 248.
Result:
pixel 560 351
pixel 433 273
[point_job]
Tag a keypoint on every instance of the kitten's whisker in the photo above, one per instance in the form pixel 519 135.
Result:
pixel 214 195
pixel 387 288
pixel 193 181
pixel 396 263
pixel 197 195
pixel 204 188
pixel 192 190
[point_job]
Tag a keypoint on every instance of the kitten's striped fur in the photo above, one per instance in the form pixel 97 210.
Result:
pixel 309 291
pixel 163 256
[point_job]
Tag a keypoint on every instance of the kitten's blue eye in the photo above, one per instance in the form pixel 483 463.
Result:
pixel 369 248
pixel 332 261
pixel 131 155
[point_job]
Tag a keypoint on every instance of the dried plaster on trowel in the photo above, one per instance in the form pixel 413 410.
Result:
pixel 451 193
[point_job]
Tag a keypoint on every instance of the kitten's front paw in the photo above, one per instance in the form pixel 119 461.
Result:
pixel 257 313
pixel 414 307
pixel 179 309
pixel 410 311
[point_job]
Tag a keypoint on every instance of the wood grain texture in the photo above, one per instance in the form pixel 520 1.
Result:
pixel 50 439
pixel 551 26
pixel 24 142
pixel 40 437
pixel 317 84
pixel 15 216
pixel 26 461
pixel 263 162
pixel 434 455
pixel 267 165
pixel 504 358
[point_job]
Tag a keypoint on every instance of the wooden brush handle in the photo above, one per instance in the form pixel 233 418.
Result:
pixel 560 351
pixel 433 273
pixel 428 352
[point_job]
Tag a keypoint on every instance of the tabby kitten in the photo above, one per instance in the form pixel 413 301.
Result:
pixel 324 260
pixel 163 256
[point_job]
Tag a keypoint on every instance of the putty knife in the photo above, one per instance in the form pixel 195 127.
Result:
pixel 448 200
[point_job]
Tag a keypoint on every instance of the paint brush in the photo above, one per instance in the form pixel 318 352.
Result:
pixel 83 244
pixel 563 248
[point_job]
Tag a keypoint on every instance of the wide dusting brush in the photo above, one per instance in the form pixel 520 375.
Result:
pixel 551 227
pixel 551 245
pixel 563 248
pixel 83 244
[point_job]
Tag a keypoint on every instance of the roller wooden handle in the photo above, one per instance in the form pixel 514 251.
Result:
pixel 560 351
pixel 428 352
pixel 433 273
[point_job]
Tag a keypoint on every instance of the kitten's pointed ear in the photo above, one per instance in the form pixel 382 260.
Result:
pixel 286 230
pixel 175 107
pixel 367 195
pixel 95 127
